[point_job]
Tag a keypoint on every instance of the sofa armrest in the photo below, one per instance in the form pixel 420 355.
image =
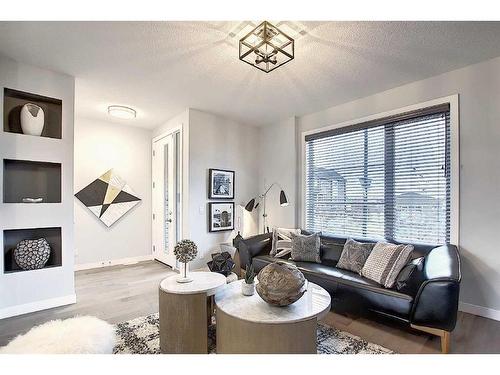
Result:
pixel 253 246
pixel 436 302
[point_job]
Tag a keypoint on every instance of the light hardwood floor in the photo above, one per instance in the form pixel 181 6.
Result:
pixel 121 293
pixel 114 294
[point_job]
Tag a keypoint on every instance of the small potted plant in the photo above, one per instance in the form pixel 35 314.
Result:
pixel 185 251
pixel 248 285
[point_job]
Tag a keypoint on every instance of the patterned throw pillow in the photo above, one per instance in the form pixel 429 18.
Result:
pixel 354 255
pixel 306 248
pixel 385 262
pixel 282 241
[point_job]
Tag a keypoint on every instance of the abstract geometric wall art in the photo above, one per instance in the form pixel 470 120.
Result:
pixel 109 197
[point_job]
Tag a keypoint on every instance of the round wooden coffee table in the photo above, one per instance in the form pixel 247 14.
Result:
pixel 251 325
pixel 184 309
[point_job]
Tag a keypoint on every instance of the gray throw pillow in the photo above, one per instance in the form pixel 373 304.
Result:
pixel 354 255
pixel 385 262
pixel 306 248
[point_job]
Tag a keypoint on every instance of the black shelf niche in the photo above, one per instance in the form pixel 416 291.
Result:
pixel 31 179
pixel 11 237
pixel 13 101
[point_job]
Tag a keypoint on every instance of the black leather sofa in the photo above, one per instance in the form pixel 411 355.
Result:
pixel 427 301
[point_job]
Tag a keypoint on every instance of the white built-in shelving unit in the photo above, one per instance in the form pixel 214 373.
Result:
pixel 36 167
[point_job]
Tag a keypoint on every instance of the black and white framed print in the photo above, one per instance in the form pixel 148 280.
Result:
pixel 220 184
pixel 221 216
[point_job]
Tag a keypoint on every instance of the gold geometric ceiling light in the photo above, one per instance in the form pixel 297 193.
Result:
pixel 266 47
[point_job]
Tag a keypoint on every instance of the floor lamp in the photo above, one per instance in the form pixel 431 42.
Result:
pixel 254 203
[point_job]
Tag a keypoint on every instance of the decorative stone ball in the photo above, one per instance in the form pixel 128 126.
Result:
pixel 32 254
pixel 281 284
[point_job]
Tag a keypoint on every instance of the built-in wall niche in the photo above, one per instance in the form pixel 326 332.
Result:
pixel 12 237
pixel 13 102
pixel 24 179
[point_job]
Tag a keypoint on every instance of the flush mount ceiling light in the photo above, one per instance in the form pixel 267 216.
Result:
pixel 122 112
pixel 266 47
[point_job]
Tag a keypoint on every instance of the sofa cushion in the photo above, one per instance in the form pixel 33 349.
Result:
pixel 354 255
pixel 253 246
pixel 260 261
pixel 414 265
pixel 356 294
pixel 385 262
pixel 330 252
pixel 320 274
pixel 331 276
pixel 282 241
pixel 306 248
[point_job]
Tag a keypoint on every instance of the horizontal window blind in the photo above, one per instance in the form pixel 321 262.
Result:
pixel 386 179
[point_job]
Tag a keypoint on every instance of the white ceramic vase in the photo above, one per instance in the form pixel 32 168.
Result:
pixel 32 119
pixel 247 289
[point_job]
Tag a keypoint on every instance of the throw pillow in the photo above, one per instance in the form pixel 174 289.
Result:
pixel 282 242
pixel 284 252
pixel 407 272
pixel 354 255
pixel 306 248
pixel 385 262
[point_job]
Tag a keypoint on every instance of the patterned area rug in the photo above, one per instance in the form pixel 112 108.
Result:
pixel 141 336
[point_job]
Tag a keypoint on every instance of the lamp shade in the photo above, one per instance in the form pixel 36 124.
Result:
pixel 250 204
pixel 283 200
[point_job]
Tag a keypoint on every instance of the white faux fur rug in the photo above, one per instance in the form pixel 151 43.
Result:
pixel 79 335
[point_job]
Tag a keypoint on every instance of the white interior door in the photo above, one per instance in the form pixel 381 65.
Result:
pixel 165 202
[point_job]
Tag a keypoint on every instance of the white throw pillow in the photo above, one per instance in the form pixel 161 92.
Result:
pixel 282 241
pixel 282 253
pixel 385 262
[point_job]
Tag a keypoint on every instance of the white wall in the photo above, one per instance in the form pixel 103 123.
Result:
pixel 479 89
pixel 278 165
pixel 216 142
pixel 22 292
pixel 182 119
pixel 100 146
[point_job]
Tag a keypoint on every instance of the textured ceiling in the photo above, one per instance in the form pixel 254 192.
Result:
pixel 161 68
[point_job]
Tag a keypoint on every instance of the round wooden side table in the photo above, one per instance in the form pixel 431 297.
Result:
pixel 184 308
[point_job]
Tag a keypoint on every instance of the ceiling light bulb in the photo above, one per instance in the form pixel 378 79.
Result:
pixel 122 112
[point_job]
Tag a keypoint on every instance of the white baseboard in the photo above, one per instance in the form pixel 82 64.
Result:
pixel 485 312
pixel 37 306
pixel 113 262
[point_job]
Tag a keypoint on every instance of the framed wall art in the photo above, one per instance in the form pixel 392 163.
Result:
pixel 220 216
pixel 220 184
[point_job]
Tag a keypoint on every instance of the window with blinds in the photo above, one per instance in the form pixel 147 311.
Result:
pixel 384 179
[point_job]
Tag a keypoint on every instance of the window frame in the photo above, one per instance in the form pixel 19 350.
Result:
pixel 453 101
